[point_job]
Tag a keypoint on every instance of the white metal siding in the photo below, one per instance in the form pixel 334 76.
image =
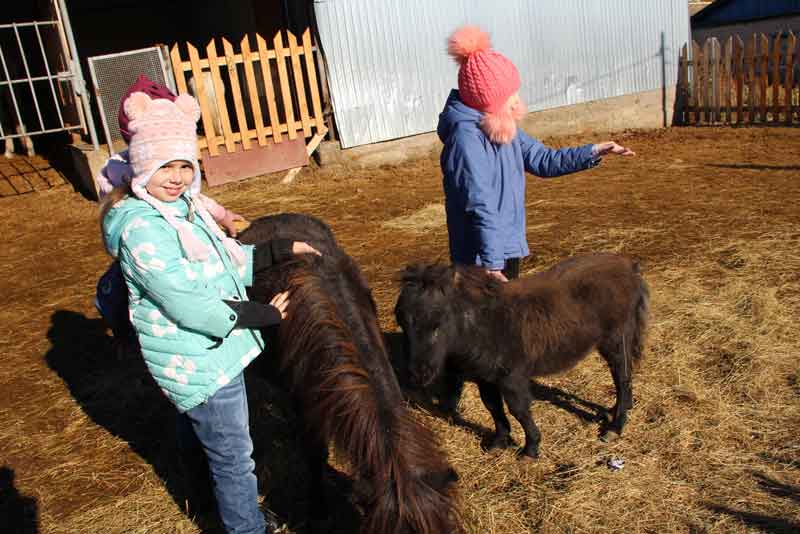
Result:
pixel 390 73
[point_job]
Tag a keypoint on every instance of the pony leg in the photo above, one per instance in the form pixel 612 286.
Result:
pixel 614 354
pixel 493 400
pixel 317 455
pixel 516 392
pixel 452 386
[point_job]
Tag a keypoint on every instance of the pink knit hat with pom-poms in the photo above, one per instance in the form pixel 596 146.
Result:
pixel 486 78
pixel 163 131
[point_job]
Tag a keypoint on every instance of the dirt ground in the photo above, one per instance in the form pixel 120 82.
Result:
pixel 712 444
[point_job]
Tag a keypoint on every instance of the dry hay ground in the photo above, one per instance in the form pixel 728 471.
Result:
pixel 712 444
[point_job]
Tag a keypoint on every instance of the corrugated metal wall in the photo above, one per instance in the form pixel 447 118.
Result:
pixel 390 73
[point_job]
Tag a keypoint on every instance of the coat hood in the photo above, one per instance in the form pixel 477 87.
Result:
pixel 454 113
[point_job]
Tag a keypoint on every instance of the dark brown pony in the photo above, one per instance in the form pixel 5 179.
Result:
pixel 333 360
pixel 499 335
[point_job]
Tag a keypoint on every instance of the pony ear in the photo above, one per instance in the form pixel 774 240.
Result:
pixel 188 105
pixel 137 105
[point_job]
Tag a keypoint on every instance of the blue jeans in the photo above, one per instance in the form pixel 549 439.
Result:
pixel 221 425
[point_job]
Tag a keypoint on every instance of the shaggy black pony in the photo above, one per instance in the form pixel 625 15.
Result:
pixel 333 360
pixel 500 335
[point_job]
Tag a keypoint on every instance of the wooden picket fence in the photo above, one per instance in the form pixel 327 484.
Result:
pixel 279 93
pixel 740 83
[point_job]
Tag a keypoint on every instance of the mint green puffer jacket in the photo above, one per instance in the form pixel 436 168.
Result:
pixel 185 329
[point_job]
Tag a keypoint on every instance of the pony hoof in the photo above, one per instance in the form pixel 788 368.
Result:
pixel 498 443
pixel 527 456
pixel 609 436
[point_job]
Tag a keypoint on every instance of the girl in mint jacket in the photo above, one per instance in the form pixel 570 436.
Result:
pixel 186 290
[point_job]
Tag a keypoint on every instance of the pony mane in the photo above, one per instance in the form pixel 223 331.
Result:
pixel 333 358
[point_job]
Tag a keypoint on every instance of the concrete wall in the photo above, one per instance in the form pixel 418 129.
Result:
pixel 593 119
pixel 766 26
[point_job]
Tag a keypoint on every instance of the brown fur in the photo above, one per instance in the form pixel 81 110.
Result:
pixel 500 335
pixel 334 361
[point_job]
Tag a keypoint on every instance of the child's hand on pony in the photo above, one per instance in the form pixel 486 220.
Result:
pixel 233 223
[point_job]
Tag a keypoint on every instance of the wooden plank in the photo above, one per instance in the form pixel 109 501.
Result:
pixel 764 78
pixel 205 106
pixel 299 83
pixel 237 136
pixel 750 62
pixel 286 95
pixel 697 93
pixel 237 58
pixel 311 68
pixel 272 157
pixel 791 44
pixel 219 92
pixel 53 177
pixel 682 102
pixel 6 189
pixel 236 93
pixel 20 184
pixel 252 87
pixel 178 69
pixel 37 181
pixel 727 86
pixel 707 93
pixel 716 79
pixel 738 67
pixel 795 68
pixel 266 76
pixel 776 75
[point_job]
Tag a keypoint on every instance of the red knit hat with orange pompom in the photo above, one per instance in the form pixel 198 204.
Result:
pixel 486 78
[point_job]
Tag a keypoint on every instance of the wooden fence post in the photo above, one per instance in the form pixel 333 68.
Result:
pixel 727 87
pixel 683 86
pixel 791 44
pixel 776 78
pixel 252 88
pixel 699 97
pixel 738 67
pixel 205 105
pixel 750 61
pixel 312 80
pixel 219 92
pixel 714 74
pixel 266 74
pixel 295 51
pixel 236 90
pixel 286 95
pixel 764 55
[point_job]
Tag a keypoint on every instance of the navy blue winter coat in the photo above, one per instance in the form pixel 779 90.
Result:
pixel 484 185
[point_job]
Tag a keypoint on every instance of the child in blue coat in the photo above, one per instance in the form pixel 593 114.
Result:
pixel 484 161
pixel 485 157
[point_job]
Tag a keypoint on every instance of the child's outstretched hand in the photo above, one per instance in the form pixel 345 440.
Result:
pixel 232 223
pixel 610 147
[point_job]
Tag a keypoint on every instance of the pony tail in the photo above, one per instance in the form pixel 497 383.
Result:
pixel 637 323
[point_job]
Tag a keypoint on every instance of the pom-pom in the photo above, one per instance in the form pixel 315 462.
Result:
pixel 136 105
pixel 466 41
pixel 188 105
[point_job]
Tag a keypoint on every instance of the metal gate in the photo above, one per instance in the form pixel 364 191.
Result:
pixel 112 76
pixel 42 89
